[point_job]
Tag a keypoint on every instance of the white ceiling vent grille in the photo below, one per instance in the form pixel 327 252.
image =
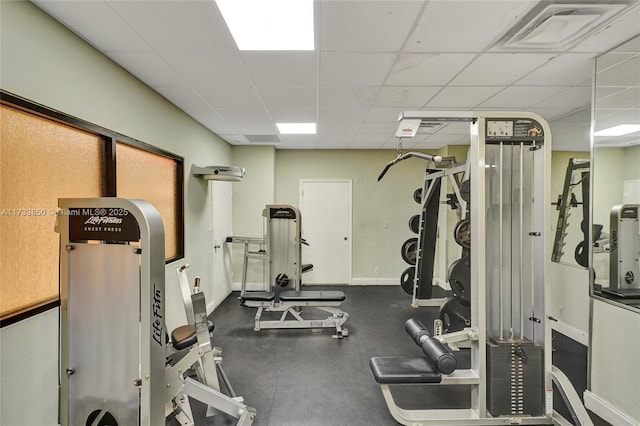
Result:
pixel 557 26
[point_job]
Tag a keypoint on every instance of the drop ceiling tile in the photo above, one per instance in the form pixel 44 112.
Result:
pixel 613 58
pixel 251 121
pixel 361 69
pixel 176 25
pixel 613 34
pixel 464 26
pixel 553 113
pixel 293 115
pixel 208 68
pixel 404 96
pixel 625 73
pixel 347 96
pixel 148 67
pixel 389 115
pixel 342 114
pixel 463 97
pixel 182 96
pixel 287 97
pixel 569 69
pixel 97 23
pixel 212 120
pixel 230 96
pixel 344 129
pixel 500 68
pixel 427 69
pixel 626 98
pixel 281 68
pixel 521 96
pixel 388 128
pixel 371 26
pixel 574 97
pixel 366 138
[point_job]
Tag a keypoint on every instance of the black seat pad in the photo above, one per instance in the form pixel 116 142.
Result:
pixel 404 370
pixel 312 296
pixel 258 296
pixel 185 336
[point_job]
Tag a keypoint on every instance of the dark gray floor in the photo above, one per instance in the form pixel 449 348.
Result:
pixel 304 377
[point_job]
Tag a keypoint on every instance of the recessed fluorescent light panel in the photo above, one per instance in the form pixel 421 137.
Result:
pixel 269 24
pixel 297 128
pixel 620 130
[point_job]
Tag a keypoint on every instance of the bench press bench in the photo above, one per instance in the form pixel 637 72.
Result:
pixel 289 303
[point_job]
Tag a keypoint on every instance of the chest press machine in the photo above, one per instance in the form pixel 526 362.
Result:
pixel 117 365
pixel 510 378
pixel 283 289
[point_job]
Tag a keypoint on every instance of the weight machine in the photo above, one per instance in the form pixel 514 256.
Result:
pixel 282 290
pixel 509 336
pixel 116 365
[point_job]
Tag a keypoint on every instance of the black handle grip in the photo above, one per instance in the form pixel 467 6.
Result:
pixel 444 360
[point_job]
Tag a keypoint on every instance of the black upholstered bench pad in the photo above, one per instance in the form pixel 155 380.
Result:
pixel 185 336
pixel 403 370
pixel 258 296
pixel 308 296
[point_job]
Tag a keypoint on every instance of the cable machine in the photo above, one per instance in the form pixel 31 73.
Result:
pixel 509 335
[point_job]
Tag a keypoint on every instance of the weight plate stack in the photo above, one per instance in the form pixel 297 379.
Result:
pixel 454 315
pixel 459 277
pixel 409 250
pixel 414 223
pixel 462 233
pixel 406 279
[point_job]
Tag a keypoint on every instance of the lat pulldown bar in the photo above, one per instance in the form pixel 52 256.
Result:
pixel 443 359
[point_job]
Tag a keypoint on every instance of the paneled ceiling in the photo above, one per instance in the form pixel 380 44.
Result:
pixel 372 60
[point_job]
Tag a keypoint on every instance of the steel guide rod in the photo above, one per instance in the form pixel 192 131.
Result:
pixel 500 271
pixel 511 246
pixel 534 149
pixel 521 240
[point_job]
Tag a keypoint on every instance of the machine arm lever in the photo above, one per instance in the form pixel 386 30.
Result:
pixel 424 156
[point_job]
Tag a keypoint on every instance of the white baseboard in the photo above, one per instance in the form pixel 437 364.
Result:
pixel 606 411
pixel 571 332
pixel 375 281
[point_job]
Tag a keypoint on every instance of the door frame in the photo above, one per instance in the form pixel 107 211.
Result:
pixel 349 183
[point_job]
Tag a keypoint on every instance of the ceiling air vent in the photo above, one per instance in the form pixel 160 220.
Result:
pixel 557 26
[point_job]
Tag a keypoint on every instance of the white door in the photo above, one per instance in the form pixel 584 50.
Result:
pixel 221 206
pixel 325 206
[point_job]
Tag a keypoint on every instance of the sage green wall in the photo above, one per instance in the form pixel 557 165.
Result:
pixel 249 199
pixel 381 210
pixel 44 62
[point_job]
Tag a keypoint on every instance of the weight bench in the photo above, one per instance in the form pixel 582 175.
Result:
pixel 438 366
pixel 290 302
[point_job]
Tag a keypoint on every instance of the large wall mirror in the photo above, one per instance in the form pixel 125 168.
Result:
pixel 615 177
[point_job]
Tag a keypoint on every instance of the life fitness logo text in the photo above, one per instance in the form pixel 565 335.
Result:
pixel 103 220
